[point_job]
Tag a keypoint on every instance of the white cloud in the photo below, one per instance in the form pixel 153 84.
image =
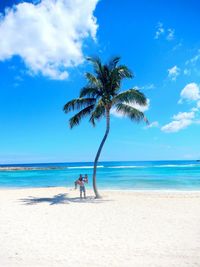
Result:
pixel 176 126
pixel 170 35
pixel 141 108
pixel 177 46
pixel 48 36
pixel 184 116
pixel 116 113
pixel 147 87
pixel 173 72
pixel 194 59
pixel 160 30
pixel 190 92
pixel 154 124
pixel 183 119
pixel 194 109
pixel 180 121
pixel 193 65
pixel 134 105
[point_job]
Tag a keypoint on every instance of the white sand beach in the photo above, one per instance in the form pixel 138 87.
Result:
pixel 52 227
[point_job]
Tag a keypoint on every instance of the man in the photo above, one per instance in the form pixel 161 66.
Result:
pixel 81 182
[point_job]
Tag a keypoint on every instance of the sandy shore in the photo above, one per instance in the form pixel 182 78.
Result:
pixel 52 227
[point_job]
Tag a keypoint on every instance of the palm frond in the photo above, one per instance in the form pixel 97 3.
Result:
pixel 92 79
pixel 96 62
pixel 113 62
pixel 78 103
pixel 131 96
pixel 124 72
pixel 117 74
pixel 75 120
pixel 90 92
pixel 132 113
pixel 100 70
pixel 98 112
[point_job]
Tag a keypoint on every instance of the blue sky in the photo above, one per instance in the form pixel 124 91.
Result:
pixel 42 66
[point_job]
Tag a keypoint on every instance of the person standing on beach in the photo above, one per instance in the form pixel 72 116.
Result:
pixel 81 182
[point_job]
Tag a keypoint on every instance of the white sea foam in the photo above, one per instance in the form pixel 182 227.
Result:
pixel 126 167
pixel 84 167
pixel 155 166
pixel 176 165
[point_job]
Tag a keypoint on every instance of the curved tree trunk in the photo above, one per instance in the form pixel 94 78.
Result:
pixel 99 152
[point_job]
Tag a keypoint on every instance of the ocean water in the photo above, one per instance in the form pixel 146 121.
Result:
pixel 142 175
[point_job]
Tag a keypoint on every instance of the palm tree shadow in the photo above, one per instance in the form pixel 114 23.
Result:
pixel 60 199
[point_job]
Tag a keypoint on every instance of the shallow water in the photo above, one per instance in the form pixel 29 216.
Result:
pixel 153 175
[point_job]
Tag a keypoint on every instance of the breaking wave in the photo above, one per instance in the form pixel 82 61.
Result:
pixel 84 167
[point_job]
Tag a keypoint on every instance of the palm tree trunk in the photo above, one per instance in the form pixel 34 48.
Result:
pixel 99 152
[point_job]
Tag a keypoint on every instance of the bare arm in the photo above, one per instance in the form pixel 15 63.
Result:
pixel 78 182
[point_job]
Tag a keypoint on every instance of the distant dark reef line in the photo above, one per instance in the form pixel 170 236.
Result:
pixel 30 168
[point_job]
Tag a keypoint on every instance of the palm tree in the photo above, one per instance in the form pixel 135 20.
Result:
pixel 100 95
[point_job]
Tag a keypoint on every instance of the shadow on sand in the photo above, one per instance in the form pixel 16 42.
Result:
pixel 60 199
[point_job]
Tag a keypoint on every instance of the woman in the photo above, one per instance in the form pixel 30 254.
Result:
pixel 76 182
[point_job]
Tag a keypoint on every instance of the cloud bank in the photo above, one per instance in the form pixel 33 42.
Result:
pixel 191 92
pixel 176 126
pixel 48 36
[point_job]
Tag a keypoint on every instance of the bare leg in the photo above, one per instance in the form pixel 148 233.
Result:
pixel 84 194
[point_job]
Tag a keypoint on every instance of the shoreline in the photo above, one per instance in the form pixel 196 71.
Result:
pixel 106 189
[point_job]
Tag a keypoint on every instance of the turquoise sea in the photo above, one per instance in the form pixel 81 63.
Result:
pixel 144 175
